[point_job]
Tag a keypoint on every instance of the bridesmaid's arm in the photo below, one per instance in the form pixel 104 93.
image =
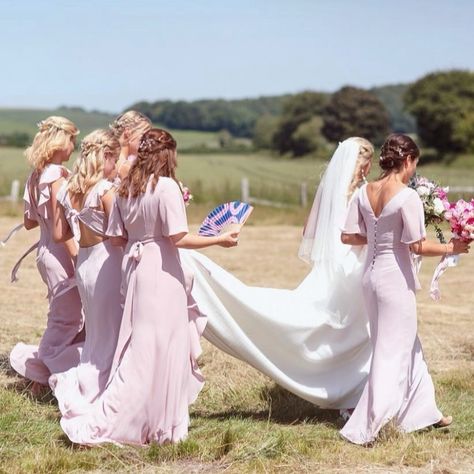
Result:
pixel 108 202
pixel 61 230
pixel 353 239
pixel 428 248
pixel 29 223
pixel 194 242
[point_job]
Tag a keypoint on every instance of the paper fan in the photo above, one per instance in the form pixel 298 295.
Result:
pixel 225 216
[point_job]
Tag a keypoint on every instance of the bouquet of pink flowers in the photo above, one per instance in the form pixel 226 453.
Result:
pixel 187 196
pixel 434 199
pixel 460 216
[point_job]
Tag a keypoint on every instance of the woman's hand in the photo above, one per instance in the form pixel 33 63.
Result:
pixel 124 139
pixel 353 239
pixel 457 246
pixel 228 239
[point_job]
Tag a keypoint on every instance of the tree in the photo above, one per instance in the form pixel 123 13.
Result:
pixel 443 105
pixel 391 96
pixel 308 138
pixel 297 110
pixel 355 112
pixel 264 130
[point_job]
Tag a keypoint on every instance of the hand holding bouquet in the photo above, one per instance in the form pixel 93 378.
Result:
pixel 460 216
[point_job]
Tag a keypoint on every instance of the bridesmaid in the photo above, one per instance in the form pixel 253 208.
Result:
pixel 86 200
pixel 388 217
pixel 129 129
pixel 154 377
pixel 59 348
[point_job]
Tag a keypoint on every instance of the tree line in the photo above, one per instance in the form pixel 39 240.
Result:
pixel 439 108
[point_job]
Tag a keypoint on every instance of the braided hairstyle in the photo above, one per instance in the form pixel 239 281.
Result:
pixel 89 167
pixel 366 153
pixel 396 149
pixel 54 134
pixel 156 157
pixel 132 121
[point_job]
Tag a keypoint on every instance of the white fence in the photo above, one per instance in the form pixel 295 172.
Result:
pixel 245 194
pixel 247 197
pixel 14 195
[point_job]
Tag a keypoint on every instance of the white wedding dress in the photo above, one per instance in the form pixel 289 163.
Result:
pixel 313 340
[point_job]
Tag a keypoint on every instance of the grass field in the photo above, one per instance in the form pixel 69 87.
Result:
pixel 242 422
pixel 215 177
pixel 25 120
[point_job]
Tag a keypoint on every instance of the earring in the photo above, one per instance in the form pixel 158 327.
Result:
pixel 364 179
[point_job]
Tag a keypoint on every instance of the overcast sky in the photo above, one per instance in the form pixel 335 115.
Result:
pixel 108 54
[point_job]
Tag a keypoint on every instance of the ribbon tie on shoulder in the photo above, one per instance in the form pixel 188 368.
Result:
pixel 72 216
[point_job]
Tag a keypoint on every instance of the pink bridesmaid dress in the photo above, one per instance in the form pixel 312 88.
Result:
pixel 399 387
pixel 98 280
pixel 59 348
pixel 154 376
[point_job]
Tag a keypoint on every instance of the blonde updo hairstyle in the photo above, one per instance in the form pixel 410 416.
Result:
pixel 366 153
pixel 156 157
pixel 54 135
pixel 131 120
pixel 89 167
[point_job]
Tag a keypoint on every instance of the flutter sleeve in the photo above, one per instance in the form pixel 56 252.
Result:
pixel 354 223
pixel 28 200
pixel 413 218
pixel 172 209
pixel 116 227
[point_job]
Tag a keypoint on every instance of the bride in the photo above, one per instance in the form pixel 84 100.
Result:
pixel 313 340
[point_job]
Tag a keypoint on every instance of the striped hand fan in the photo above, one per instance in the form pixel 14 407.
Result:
pixel 224 217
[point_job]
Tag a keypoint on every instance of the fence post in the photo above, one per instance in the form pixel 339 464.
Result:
pixel 15 190
pixel 304 194
pixel 245 190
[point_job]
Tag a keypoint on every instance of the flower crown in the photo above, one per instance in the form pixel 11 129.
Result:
pixel 46 125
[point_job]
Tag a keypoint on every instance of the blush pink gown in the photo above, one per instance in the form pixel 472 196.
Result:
pixel 98 280
pixel 154 376
pixel 59 348
pixel 399 386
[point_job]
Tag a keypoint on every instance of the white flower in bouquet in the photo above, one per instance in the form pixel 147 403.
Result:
pixel 423 190
pixel 438 206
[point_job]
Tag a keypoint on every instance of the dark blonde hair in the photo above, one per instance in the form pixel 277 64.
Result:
pixel 54 134
pixel 156 157
pixel 89 167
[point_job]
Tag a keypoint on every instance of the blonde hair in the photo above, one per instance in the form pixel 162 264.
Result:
pixel 366 153
pixel 89 167
pixel 54 135
pixel 130 120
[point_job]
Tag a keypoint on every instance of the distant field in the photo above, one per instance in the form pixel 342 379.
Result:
pixel 216 177
pixel 211 177
pixel 25 120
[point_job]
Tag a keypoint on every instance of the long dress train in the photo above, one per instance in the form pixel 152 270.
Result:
pixel 313 340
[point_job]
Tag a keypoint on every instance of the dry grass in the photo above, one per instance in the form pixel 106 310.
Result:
pixel 242 422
